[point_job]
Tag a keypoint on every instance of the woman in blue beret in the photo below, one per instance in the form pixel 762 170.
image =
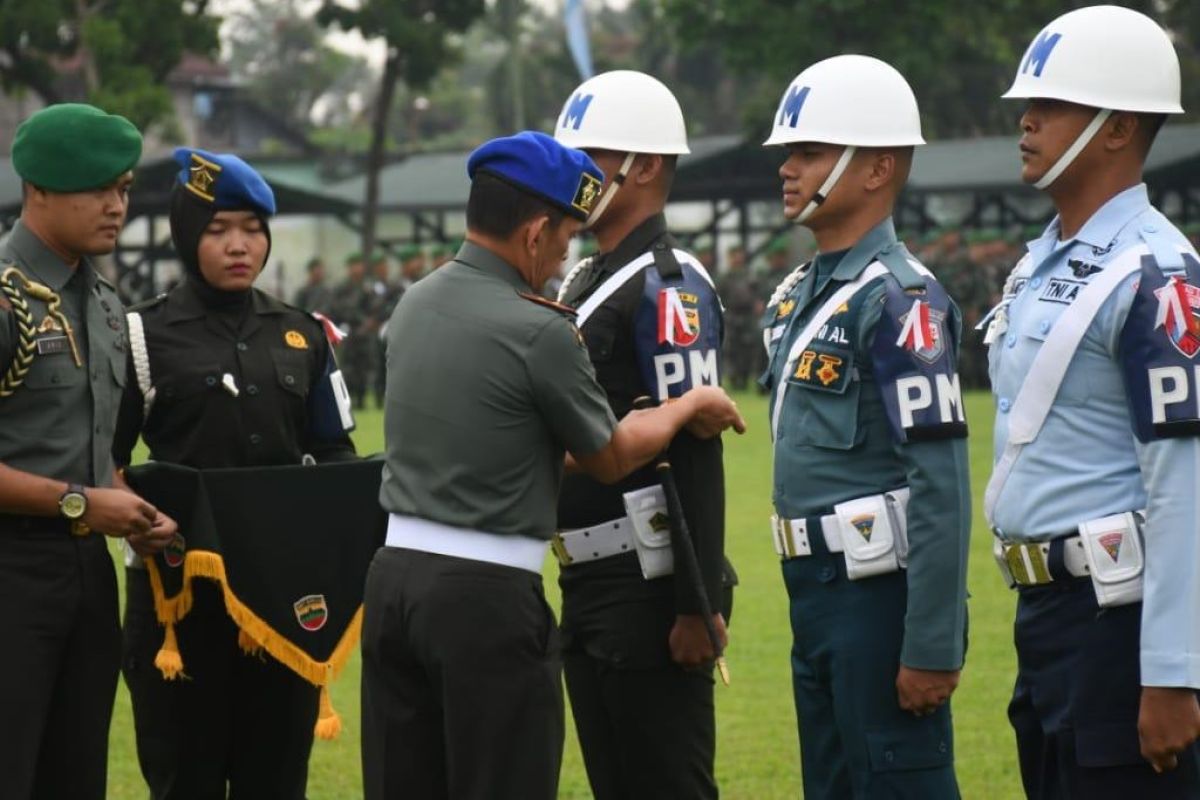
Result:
pixel 221 375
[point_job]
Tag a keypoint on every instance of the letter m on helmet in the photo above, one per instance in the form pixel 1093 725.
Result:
pixel 575 110
pixel 791 105
pixel 1039 51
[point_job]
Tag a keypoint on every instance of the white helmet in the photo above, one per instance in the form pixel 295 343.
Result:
pixel 1106 57
pixel 856 101
pixel 626 111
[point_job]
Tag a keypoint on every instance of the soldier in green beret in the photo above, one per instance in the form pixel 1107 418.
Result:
pixel 385 293
pixel 62 370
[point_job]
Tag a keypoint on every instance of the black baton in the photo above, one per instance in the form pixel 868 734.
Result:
pixel 681 534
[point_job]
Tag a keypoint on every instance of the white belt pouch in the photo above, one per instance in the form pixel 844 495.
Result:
pixel 647 510
pixel 1113 549
pixel 874 533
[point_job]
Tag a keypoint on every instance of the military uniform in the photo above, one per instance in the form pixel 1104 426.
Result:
pixel 860 412
pixel 353 310
pixel 739 294
pixel 488 386
pixel 61 636
pixel 62 355
pixel 645 724
pixel 1081 666
pixel 238 379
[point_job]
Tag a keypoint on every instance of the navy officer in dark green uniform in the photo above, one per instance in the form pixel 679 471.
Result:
pixel 489 386
pixel 870 490
pixel 62 369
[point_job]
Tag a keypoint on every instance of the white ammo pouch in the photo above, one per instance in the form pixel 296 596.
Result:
pixel 1113 548
pixel 647 510
pixel 874 533
pixel 646 529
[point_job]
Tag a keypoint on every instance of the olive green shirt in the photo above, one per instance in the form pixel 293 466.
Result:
pixel 59 423
pixel 486 389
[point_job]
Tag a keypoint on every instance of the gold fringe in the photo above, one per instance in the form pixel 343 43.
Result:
pixel 169 660
pixel 252 630
pixel 329 724
pixel 247 644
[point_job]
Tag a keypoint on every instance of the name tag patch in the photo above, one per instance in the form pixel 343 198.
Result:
pixel 52 345
pixel 1062 291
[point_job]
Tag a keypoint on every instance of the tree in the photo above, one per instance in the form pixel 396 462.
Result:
pixel 123 49
pixel 420 37
pixel 959 57
pixel 278 53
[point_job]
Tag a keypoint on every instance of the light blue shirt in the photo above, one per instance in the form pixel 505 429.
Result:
pixel 1086 462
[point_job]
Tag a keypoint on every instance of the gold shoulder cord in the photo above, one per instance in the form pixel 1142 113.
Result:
pixel 14 376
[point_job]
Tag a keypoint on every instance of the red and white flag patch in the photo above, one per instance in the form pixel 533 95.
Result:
pixel 677 323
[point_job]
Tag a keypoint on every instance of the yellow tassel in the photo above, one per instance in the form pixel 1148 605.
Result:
pixel 329 724
pixel 169 661
pixel 249 646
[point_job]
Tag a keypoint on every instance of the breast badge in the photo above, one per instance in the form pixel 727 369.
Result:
pixel 295 339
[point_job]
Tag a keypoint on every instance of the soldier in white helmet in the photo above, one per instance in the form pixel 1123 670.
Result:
pixel 871 493
pixel 636 654
pixel 1094 497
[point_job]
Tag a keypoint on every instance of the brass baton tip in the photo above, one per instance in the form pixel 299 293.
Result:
pixel 723 668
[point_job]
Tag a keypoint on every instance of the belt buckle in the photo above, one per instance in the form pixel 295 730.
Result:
pixel 560 550
pixel 80 528
pixel 1027 564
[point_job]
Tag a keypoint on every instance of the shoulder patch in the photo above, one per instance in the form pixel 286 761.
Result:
pixel 561 308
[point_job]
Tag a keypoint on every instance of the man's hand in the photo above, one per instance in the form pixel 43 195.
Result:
pixel 156 539
pixel 1168 721
pixel 714 412
pixel 117 512
pixel 689 642
pixel 921 691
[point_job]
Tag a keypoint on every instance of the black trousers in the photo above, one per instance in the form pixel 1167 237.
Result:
pixel 58 673
pixel 461 693
pixel 1075 704
pixel 236 725
pixel 646 725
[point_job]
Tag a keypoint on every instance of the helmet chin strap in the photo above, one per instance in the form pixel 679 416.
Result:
pixel 607 196
pixel 827 187
pixel 1074 150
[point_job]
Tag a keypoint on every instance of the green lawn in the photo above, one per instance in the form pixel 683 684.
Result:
pixel 757 752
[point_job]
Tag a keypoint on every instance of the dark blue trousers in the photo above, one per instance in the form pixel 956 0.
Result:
pixel 1075 704
pixel 855 740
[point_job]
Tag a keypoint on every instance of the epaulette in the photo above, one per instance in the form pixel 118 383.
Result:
pixel 665 262
pixel 896 260
pixel 561 308
pixel 145 304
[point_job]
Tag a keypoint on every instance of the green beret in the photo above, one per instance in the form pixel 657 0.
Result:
pixel 354 257
pixel 410 251
pixel 73 147
pixel 379 257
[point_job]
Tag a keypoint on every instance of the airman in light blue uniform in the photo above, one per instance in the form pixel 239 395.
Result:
pixel 1094 496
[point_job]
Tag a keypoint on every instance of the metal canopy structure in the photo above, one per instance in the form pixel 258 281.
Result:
pixel 151 199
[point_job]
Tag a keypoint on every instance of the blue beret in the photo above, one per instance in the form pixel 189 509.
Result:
pixel 224 181
pixel 535 163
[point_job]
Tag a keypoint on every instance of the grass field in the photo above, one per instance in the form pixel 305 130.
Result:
pixel 757 751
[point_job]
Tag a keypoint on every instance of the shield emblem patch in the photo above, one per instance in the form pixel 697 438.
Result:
pixel 311 612
pixel 175 551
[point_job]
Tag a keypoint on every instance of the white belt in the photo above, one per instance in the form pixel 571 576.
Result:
pixel 414 533
pixel 582 545
pixel 791 536
pixel 1028 563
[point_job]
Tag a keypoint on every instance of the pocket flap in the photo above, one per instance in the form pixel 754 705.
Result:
pixel 866 527
pixel 647 509
pixel 909 748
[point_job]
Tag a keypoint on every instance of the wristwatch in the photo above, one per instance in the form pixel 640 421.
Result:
pixel 73 505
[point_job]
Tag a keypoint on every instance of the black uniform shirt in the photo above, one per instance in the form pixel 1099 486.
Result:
pixel 234 385
pixel 697 464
